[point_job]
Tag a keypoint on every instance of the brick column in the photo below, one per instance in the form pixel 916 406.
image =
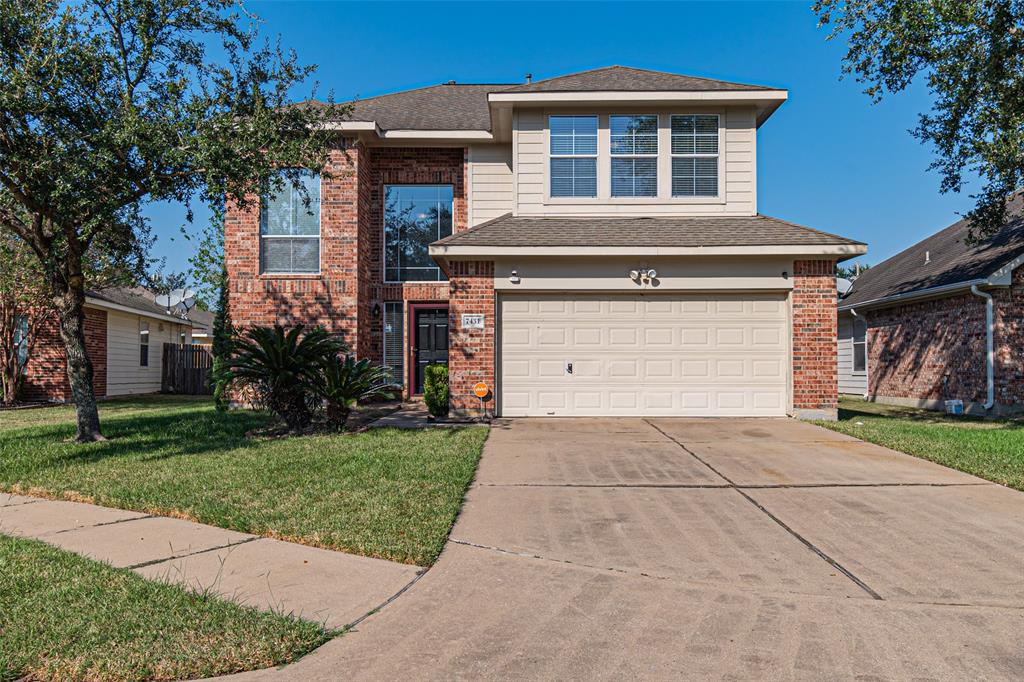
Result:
pixel 470 351
pixel 815 371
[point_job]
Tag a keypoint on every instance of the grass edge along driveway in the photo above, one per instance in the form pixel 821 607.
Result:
pixel 992 449
pixel 385 493
pixel 65 617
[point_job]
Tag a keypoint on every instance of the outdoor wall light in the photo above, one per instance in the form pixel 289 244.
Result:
pixel 514 277
pixel 376 310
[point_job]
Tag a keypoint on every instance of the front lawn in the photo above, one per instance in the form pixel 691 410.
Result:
pixel 65 617
pixel 384 493
pixel 990 449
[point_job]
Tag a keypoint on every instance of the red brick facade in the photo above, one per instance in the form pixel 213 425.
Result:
pixel 350 286
pixel 471 351
pixel 935 350
pixel 815 370
pixel 46 377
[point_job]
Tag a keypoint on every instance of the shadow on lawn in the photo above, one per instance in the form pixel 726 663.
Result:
pixel 926 417
pixel 145 437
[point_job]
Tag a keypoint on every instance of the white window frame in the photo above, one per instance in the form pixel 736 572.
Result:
pixel 145 341
pixel 384 232
pixel 858 321
pixel 596 156
pixel 657 153
pixel 319 238
pixel 604 196
pixel 695 155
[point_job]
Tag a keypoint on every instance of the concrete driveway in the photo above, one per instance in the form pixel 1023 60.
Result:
pixel 706 549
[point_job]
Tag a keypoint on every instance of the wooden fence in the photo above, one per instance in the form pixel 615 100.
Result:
pixel 186 370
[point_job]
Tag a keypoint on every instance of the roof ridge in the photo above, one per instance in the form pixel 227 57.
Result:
pixel 423 87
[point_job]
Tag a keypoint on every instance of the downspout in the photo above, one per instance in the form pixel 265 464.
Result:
pixel 867 370
pixel 990 355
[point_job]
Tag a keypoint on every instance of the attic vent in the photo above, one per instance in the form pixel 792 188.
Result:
pixel 450 83
pixel 927 257
pixel 529 78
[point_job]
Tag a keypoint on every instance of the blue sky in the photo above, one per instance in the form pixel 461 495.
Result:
pixel 828 158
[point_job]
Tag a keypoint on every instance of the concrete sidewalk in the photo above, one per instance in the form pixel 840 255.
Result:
pixel 328 587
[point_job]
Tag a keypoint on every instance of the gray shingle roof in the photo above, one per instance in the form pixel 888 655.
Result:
pixel 951 260
pixel 453 106
pixel 137 298
pixel 438 107
pixel 624 78
pixel 756 230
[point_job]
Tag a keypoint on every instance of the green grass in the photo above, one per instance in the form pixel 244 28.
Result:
pixel 990 449
pixel 384 493
pixel 65 617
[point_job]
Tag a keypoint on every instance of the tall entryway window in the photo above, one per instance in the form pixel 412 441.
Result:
pixel 394 340
pixel 415 216
pixel 429 339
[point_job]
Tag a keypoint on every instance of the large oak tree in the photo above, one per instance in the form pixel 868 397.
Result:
pixel 970 54
pixel 106 104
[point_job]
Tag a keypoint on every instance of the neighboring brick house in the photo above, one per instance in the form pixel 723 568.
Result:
pixel 124 335
pixel 583 245
pixel 942 320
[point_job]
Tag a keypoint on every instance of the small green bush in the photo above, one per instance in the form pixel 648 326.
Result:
pixel 435 389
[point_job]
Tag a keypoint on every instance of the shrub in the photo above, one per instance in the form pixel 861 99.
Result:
pixel 281 370
pixel 435 389
pixel 346 381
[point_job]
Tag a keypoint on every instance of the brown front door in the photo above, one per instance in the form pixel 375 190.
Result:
pixel 429 339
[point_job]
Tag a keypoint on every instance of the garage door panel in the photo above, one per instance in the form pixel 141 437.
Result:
pixel 700 355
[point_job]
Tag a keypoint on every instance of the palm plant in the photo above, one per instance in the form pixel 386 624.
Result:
pixel 346 381
pixel 280 370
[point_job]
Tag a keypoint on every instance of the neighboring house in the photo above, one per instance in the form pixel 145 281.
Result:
pixel 202 327
pixel 943 320
pixel 584 245
pixel 124 334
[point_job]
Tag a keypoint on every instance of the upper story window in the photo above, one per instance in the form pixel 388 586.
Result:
pixel 573 156
pixel 695 155
pixel 634 150
pixel 415 216
pixel 290 230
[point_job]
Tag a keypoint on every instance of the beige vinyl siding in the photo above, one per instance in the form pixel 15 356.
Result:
pixel 738 150
pixel 125 376
pixel 849 382
pixel 490 182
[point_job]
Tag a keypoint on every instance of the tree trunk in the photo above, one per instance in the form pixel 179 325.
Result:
pixel 71 310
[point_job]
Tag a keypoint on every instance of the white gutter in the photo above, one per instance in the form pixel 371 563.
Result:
pixel 990 354
pixel 100 303
pixel 733 96
pixel 457 250
pixel 920 293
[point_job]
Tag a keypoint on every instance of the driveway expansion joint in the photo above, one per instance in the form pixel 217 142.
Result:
pixel 807 543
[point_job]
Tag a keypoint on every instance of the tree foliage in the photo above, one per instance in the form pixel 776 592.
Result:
pixel 971 56
pixel 24 309
pixel 105 104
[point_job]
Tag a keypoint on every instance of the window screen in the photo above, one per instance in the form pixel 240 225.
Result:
pixel 415 216
pixel 573 156
pixel 860 345
pixel 143 344
pixel 290 230
pixel 634 150
pixel 21 339
pixel 695 155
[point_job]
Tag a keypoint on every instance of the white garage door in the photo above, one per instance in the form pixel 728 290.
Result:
pixel 688 355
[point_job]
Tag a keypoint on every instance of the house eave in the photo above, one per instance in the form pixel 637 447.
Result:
pixel 107 305
pixel 373 129
pixel 820 250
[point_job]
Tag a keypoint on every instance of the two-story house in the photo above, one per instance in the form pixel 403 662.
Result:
pixel 583 245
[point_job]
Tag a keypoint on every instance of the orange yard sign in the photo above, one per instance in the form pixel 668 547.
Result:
pixel 481 390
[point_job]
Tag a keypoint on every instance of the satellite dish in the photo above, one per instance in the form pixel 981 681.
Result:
pixel 843 285
pixel 180 300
